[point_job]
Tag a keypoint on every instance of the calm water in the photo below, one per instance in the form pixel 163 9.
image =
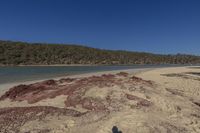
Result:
pixel 26 73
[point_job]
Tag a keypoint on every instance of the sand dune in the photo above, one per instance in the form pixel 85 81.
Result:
pixel 164 100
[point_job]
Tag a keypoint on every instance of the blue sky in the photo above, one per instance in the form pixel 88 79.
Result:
pixel 158 26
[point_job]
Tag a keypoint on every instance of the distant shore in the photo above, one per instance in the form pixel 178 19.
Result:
pixel 53 65
pixel 1 65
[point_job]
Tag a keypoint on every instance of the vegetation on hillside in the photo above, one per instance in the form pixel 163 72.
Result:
pixel 21 53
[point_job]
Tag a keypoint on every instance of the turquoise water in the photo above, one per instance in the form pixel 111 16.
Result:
pixel 27 73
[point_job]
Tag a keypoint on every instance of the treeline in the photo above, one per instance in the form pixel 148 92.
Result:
pixel 21 53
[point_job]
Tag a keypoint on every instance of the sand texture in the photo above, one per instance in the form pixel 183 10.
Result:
pixel 164 100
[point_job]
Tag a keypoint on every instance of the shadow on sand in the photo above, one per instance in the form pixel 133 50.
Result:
pixel 115 130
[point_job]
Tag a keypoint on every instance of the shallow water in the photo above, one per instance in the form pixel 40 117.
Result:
pixel 27 73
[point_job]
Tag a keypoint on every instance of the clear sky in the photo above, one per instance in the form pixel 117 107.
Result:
pixel 158 26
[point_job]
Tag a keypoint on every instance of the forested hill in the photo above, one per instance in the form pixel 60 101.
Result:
pixel 20 53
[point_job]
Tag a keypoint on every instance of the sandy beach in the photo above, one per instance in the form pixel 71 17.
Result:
pixel 161 100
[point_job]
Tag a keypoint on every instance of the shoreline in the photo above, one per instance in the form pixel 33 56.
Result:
pixel 5 86
pixel 34 73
